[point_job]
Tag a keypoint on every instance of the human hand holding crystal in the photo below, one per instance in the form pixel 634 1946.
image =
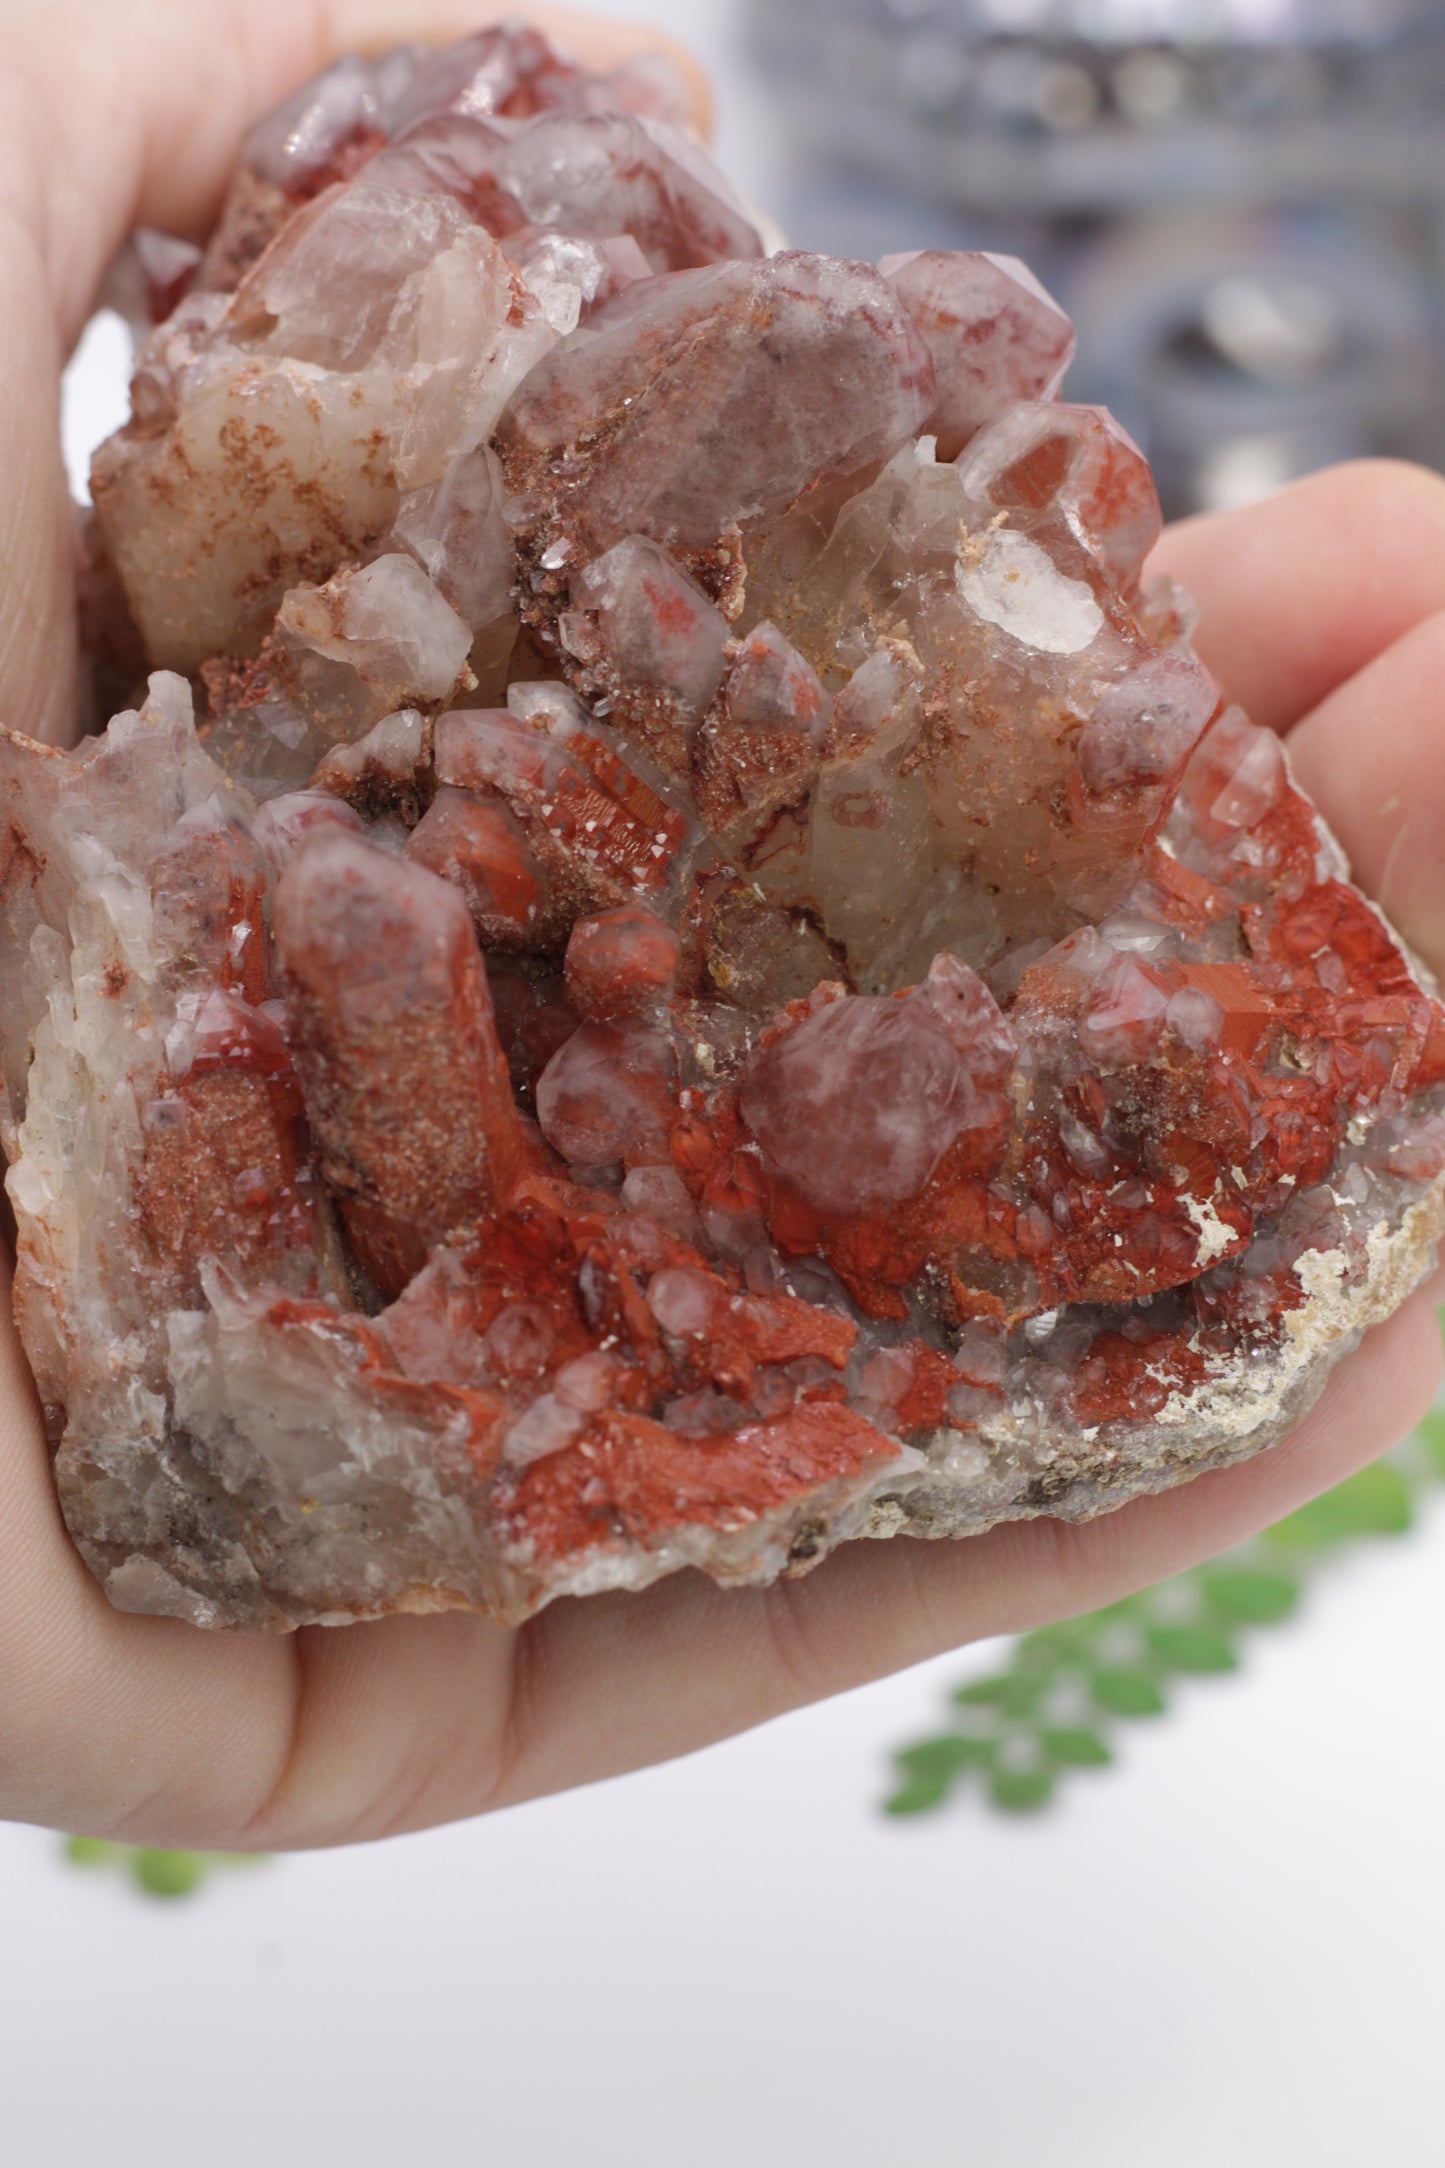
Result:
pixel 1323 613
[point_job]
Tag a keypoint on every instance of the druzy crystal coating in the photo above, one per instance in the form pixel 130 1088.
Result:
pixel 679 961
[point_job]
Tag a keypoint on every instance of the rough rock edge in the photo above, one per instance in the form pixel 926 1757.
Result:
pixel 1253 1403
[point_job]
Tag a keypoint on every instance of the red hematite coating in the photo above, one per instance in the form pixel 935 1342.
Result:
pixel 714 974
pixel 393 1035
pixel 636 1479
pixel 620 963
pixel 1061 466
pixel 479 846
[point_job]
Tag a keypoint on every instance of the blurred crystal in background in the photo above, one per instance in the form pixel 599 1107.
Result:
pixel 1241 202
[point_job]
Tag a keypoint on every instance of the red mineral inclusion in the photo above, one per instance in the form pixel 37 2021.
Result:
pixel 714 973
pixel 402 1074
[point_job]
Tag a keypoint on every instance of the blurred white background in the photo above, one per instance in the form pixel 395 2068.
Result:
pixel 1226 1950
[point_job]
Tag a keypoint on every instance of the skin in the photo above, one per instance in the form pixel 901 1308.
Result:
pixel 1323 613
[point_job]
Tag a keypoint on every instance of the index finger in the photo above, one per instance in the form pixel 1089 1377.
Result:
pixel 1300 592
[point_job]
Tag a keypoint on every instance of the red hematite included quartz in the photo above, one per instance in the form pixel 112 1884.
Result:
pixel 679 962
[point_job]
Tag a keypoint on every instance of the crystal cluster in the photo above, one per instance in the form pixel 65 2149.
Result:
pixel 678 963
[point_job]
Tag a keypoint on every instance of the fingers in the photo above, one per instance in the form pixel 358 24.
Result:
pixel 400 1724
pixel 1298 593
pixel 113 1722
pixel 37 580
pixel 1372 756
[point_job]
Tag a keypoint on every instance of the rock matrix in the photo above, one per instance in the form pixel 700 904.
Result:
pixel 678 963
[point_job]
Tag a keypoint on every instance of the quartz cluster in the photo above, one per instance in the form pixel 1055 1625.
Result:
pixel 678 963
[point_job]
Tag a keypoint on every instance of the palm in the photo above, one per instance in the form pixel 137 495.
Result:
pixel 1324 612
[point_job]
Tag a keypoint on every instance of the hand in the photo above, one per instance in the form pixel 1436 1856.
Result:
pixel 1324 612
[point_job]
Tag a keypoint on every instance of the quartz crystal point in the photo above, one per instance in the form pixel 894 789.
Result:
pixel 679 962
